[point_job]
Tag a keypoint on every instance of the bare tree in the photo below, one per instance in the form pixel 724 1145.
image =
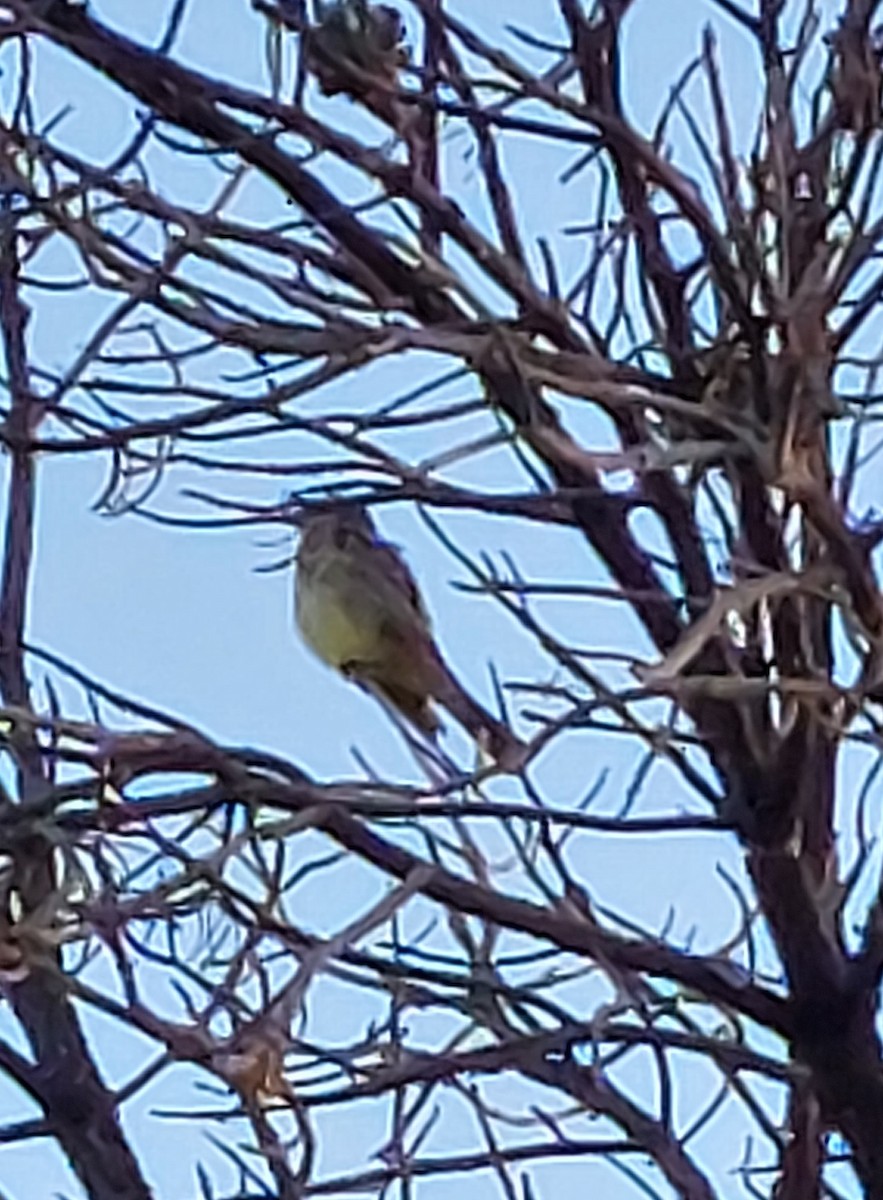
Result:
pixel 689 395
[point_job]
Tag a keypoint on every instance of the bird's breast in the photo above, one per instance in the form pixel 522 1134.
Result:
pixel 336 627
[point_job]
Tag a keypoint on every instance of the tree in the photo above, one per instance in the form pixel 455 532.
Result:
pixel 680 387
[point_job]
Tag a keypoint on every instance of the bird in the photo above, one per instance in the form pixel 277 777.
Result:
pixel 359 609
pixel 355 46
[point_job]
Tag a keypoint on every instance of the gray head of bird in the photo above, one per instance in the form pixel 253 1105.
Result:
pixel 322 525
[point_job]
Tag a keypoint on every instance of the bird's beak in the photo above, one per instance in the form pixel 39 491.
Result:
pixel 299 515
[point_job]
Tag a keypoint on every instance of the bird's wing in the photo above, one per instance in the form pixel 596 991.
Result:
pixel 391 577
pixel 399 573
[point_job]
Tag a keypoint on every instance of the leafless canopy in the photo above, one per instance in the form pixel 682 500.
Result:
pixel 682 385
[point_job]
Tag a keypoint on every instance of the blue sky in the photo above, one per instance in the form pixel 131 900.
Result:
pixel 180 619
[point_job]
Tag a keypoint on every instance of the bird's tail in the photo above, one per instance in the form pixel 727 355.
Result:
pixel 491 734
pixel 415 705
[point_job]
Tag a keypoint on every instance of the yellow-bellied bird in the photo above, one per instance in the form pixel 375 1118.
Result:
pixel 360 611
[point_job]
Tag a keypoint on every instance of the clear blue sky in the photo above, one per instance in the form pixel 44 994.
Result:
pixel 181 620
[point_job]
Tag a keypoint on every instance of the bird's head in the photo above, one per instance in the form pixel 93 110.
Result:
pixel 330 524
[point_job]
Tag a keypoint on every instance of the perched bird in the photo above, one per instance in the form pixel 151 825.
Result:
pixel 355 46
pixel 359 610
